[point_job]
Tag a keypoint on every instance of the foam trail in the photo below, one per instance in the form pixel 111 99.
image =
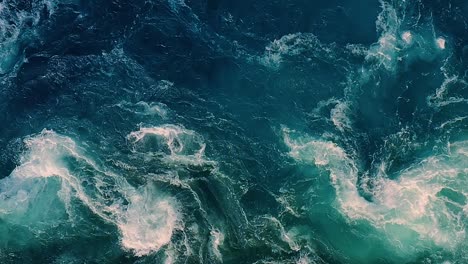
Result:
pixel 403 38
pixel 425 205
pixel 145 217
pixel 440 43
pixel 340 116
pixel 183 146
pixel 146 233
pixel 145 109
pixel 217 240
pixel 293 45
pixel 442 96
pixel 407 37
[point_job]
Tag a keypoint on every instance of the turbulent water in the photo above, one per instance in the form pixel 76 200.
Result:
pixel 216 131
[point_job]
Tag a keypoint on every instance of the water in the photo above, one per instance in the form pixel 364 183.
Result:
pixel 233 131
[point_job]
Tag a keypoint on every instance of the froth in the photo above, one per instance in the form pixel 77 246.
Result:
pixel 340 116
pixel 440 43
pixel 294 45
pixel 407 37
pixel 145 109
pixel 398 41
pixel 147 232
pixel 182 145
pixel 217 239
pixel 423 205
pixel 44 156
pixel 145 217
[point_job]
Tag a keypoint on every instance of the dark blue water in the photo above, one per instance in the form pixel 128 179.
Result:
pixel 213 131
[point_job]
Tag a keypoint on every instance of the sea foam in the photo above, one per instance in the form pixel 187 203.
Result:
pixel 144 216
pixel 175 143
pixel 420 203
pixel 294 45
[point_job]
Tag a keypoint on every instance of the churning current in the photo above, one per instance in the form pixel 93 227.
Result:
pixel 216 131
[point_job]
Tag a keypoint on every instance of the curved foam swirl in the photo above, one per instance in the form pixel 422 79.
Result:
pixel 145 109
pixel 293 45
pixel 182 145
pixel 402 38
pixel 426 204
pixel 144 216
pixel 444 96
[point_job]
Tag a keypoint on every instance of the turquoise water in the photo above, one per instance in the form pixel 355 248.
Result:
pixel 233 132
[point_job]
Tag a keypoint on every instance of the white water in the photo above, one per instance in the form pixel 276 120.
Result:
pixel 425 205
pixel 144 216
pixel 395 44
pixel 294 45
pixel 145 109
pixel 443 95
pixel 174 144
pixel 217 240
pixel 403 38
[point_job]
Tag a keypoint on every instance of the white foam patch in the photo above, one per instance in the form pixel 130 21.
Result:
pixel 146 233
pixel 407 37
pixel 285 236
pixel 397 44
pixel 385 51
pixel 183 146
pixel 145 217
pixel 217 240
pixel 340 116
pixel 452 122
pixel 304 259
pixel 145 109
pixel 153 108
pixel 440 43
pixel 293 45
pixel 424 205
